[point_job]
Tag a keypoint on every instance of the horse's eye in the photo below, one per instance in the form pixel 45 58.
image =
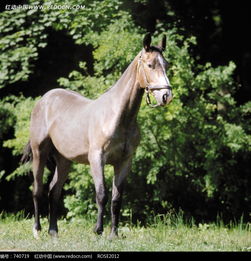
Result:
pixel 149 65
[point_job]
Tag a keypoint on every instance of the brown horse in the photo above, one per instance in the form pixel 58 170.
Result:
pixel 68 127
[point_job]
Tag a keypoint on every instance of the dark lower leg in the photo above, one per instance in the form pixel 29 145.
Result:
pixel 37 225
pixel 99 225
pixel 38 169
pixel 53 227
pixel 115 211
pixel 55 190
pixel 101 200
pixel 37 195
pixel 54 196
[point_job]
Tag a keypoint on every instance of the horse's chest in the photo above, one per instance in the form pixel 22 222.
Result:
pixel 121 144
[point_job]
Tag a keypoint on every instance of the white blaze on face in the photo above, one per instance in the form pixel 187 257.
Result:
pixel 164 77
pixel 162 81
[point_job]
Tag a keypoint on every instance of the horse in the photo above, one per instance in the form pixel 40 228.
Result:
pixel 67 127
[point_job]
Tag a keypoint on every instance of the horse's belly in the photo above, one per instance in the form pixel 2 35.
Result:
pixel 70 151
pixel 71 145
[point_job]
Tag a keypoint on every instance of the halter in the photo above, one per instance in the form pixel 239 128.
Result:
pixel 150 87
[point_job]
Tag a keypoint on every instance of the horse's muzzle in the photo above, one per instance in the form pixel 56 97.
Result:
pixel 167 97
pixel 164 98
pixel 163 95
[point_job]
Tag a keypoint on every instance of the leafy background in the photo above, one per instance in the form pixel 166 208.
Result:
pixel 194 155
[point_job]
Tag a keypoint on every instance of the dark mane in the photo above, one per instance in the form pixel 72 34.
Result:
pixel 156 49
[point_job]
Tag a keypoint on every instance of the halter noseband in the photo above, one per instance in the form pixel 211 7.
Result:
pixel 150 87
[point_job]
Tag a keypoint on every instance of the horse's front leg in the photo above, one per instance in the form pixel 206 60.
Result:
pixel 120 170
pixel 97 171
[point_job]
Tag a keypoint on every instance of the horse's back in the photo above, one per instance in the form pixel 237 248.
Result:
pixel 55 103
pixel 65 97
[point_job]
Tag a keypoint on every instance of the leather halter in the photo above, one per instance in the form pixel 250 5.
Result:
pixel 148 88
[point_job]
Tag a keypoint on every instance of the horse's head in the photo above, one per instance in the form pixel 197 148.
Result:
pixel 152 68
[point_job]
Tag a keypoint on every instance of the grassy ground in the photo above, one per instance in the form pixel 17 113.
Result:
pixel 167 235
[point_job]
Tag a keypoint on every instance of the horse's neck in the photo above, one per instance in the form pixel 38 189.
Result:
pixel 127 95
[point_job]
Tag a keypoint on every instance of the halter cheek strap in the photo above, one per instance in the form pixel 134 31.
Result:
pixel 150 87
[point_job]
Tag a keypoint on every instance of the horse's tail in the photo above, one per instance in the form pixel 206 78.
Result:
pixel 27 154
pixel 27 157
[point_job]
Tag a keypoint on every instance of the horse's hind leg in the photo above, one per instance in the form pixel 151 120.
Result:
pixel 38 164
pixel 55 188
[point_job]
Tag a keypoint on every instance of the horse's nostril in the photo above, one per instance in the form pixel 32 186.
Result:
pixel 164 98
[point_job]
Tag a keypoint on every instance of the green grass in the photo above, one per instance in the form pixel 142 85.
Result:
pixel 170 234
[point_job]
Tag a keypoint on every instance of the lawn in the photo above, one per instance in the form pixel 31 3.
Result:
pixel 161 235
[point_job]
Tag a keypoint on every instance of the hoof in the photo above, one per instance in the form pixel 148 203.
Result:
pixel 113 234
pixel 36 233
pixel 53 234
pixel 98 230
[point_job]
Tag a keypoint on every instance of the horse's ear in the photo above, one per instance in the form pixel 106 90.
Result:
pixel 147 41
pixel 162 44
